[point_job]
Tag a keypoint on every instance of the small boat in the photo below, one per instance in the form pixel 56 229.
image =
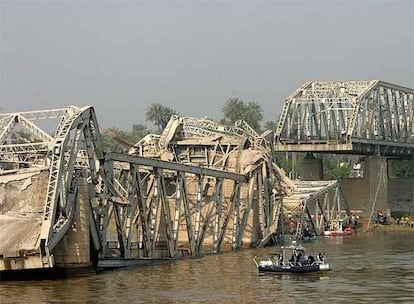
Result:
pixel 338 230
pixel 292 258
pixel 309 238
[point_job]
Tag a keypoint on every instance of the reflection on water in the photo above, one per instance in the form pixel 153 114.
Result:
pixel 367 268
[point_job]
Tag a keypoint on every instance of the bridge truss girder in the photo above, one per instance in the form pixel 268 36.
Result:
pixel 317 205
pixel 75 146
pixel 357 117
pixel 163 208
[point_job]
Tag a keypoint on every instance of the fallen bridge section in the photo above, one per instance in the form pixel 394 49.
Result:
pixel 199 187
pixel 315 205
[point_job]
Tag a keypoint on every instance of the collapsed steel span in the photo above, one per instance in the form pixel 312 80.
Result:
pixel 199 187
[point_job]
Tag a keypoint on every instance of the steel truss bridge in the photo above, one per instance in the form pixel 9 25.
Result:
pixel 349 117
pixel 198 187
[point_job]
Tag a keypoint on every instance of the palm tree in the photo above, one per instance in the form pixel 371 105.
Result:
pixel 154 114
pixel 167 112
pixel 159 115
pixel 253 115
pixel 233 109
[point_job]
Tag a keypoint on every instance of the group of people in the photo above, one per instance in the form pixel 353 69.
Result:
pixel 405 221
pixel 299 259
pixel 380 217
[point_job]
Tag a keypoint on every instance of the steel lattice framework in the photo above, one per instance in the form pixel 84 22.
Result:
pixel 356 117
pixel 75 145
pixel 219 189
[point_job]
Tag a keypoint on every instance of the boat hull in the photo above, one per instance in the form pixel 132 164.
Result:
pixel 338 233
pixel 294 269
pixel 309 238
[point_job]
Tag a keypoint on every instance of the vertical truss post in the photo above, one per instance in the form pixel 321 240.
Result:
pixel 107 208
pixel 166 213
pixel 200 191
pixel 155 200
pixel 262 213
pixel 236 215
pixel 250 198
pixel 211 207
pixel 266 202
pixel 146 234
pixel 217 200
pixel 131 208
pixel 187 214
pixel 176 224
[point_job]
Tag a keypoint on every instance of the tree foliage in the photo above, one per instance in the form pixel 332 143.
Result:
pixel 402 168
pixel 236 109
pixel 117 140
pixel 159 115
pixel 269 125
pixel 335 170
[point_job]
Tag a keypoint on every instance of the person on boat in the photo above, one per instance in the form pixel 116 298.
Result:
pixel 298 257
pixel 310 260
pixel 292 259
pixel 306 233
pixel 353 219
pixel 291 227
pixel 320 256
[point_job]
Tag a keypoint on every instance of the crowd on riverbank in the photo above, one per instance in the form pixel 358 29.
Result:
pixel 403 223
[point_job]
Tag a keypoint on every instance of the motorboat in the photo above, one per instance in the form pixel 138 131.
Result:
pixel 291 258
pixel 338 230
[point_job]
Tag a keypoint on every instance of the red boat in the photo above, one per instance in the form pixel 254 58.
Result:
pixel 346 231
pixel 338 231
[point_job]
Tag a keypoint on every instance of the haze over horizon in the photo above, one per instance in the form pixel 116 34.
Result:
pixel 122 56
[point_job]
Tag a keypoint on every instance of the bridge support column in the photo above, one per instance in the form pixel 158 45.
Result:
pixel 376 177
pixel 310 168
pixel 369 193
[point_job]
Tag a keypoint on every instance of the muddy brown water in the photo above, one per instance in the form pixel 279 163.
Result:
pixel 373 267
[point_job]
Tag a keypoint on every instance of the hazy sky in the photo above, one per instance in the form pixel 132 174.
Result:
pixel 121 56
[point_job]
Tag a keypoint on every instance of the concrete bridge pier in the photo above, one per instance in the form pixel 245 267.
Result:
pixel 370 192
pixel 310 168
pixel 376 179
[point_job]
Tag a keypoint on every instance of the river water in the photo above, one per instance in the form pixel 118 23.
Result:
pixel 366 268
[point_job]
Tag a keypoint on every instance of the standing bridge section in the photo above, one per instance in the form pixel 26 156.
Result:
pixel 348 117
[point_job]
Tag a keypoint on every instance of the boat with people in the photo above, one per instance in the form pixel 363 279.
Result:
pixel 336 229
pixel 308 236
pixel 293 259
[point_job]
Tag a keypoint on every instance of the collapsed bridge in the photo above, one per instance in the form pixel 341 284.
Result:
pixel 198 187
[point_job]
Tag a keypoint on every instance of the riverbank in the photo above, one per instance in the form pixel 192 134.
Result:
pixel 393 227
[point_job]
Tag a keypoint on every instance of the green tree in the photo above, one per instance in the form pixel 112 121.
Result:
pixel 402 168
pixel 333 169
pixel 253 115
pixel 116 140
pixel 233 109
pixel 159 115
pixel 236 109
pixel 269 125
